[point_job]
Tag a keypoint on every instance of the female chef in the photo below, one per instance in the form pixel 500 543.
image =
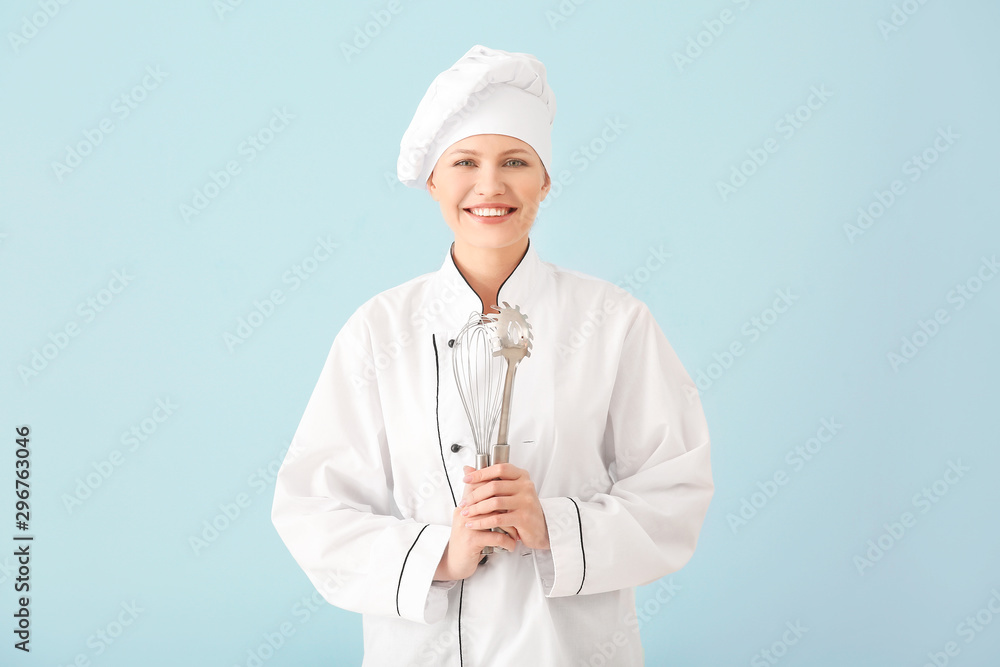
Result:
pixel 609 479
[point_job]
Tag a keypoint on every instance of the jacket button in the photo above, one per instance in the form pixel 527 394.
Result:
pixel 456 447
pixel 451 343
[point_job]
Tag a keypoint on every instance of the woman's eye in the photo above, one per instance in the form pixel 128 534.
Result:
pixel 519 162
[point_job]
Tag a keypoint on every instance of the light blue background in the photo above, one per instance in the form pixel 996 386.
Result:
pixel 331 173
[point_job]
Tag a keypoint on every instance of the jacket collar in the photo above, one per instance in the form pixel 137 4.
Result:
pixel 521 287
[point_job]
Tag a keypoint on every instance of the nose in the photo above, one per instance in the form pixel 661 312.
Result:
pixel 489 182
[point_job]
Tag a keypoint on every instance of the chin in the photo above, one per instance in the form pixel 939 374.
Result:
pixel 494 240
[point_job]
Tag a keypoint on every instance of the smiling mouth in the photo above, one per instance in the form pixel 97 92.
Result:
pixel 491 214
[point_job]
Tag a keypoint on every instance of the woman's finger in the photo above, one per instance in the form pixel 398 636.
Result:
pixel 488 490
pixel 486 521
pixel 512 531
pixel 501 540
pixel 495 471
pixel 491 504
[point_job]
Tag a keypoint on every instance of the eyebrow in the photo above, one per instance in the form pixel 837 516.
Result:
pixel 476 153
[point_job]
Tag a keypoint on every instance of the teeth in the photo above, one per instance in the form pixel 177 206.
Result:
pixel 489 212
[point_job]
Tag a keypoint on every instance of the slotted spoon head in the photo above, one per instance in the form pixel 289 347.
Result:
pixel 512 333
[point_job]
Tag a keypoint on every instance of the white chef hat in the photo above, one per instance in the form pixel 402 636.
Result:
pixel 487 91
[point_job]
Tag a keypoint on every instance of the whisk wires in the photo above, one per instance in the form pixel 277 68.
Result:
pixel 479 375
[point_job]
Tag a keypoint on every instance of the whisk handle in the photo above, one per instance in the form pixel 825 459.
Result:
pixel 483 461
pixel 501 454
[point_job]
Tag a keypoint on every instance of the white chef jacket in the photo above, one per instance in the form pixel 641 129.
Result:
pixel 604 418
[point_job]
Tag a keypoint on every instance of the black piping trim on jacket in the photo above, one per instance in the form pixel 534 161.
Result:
pixel 404 566
pixel 437 417
pixel 580 523
pixel 461 593
pixel 451 250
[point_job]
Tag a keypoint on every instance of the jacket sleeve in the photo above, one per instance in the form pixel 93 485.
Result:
pixel 647 524
pixel 333 505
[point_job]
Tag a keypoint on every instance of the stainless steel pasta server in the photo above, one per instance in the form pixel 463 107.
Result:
pixel 513 338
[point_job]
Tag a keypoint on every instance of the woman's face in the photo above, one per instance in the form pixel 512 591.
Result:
pixel 489 169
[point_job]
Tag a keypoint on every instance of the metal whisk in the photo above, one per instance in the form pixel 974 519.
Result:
pixel 479 375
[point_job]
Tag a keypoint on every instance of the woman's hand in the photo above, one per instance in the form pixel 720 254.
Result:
pixel 503 495
pixel 462 554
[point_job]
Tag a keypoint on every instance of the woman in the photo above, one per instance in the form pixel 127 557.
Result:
pixel 609 477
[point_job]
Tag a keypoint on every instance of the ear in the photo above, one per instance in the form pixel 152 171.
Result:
pixel 546 186
pixel 431 188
